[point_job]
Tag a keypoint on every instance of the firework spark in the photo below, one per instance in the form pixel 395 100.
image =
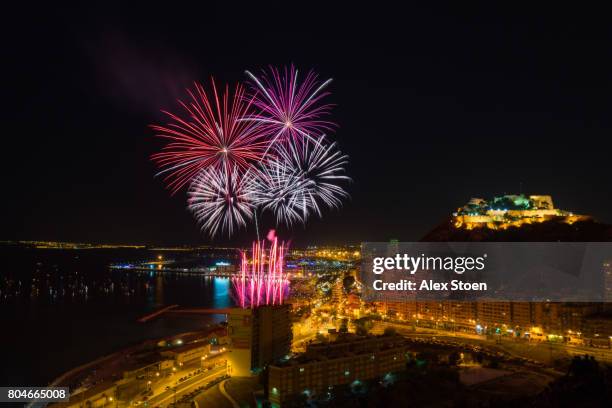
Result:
pixel 300 180
pixel 278 189
pixel 261 280
pixel 290 110
pixel 240 153
pixel 219 200
pixel 209 134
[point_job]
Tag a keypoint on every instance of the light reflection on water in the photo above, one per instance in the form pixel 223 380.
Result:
pixel 60 309
pixel 221 292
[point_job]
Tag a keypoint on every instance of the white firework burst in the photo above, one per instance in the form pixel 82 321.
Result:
pixel 278 189
pixel 220 200
pixel 301 179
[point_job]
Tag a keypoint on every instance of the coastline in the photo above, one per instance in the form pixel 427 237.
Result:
pixel 70 377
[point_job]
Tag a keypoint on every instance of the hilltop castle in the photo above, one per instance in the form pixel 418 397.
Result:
pixel 511 211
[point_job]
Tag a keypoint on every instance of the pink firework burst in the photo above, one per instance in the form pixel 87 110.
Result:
pixel 262 280
pixel 209 133
pixel 290 109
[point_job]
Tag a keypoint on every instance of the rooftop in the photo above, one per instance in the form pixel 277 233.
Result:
pixel 107 388
pixel 347 345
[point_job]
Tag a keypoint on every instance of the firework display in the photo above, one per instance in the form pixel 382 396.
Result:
pixel 289 109
pixel 279 189
pixel 239 153
pixel 219 200
pixel 300 180
pixel 210 134
pixel 261 280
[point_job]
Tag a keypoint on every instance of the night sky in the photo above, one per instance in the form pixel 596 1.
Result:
pixel 434 105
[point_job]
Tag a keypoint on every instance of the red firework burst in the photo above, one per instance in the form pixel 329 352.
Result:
pixel 209 133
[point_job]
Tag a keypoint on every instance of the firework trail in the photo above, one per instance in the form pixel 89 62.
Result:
pixel 219 200
pixel 210 133
pixel 290 110
pixel 300 180
pixel 261 280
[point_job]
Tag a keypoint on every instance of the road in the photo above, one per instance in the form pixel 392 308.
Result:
pixel 213 397
pixel 190 369
pixel 541 351
pixel 167 397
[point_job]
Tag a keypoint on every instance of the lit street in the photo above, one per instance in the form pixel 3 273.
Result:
pixel 174 393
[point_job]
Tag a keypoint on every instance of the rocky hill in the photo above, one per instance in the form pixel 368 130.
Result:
pixel 549 231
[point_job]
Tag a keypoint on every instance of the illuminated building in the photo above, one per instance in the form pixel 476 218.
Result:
pixel 462 314
pixel 494 314
pixel 598 329
pixel 349 360
pixel 187 353
pixel 508 318
pixel 240 332
pixel 103 394
pixel 337 291
pixel 258 336
pixel 521 315
pixel 147 367
pixel 607 277
pixel 511 211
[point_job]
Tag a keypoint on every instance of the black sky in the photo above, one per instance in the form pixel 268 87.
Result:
pixel 435 106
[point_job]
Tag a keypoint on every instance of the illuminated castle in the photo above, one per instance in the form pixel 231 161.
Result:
pixel 511 211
